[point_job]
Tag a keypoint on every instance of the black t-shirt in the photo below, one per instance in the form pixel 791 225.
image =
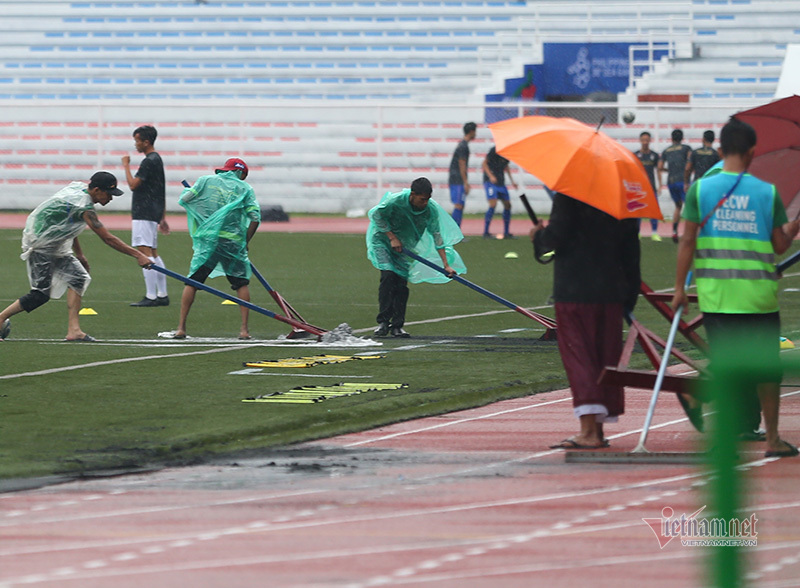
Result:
pixel 461 152
pixel 585 271
pixel 497 165
pixel 650 162
pixel 703 159
pixel 675 158
pixel 149 199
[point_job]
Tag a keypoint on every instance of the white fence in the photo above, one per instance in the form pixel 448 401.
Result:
pixel 322 157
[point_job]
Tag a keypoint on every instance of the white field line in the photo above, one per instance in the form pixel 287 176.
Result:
pixel 258 372
pixel 122 360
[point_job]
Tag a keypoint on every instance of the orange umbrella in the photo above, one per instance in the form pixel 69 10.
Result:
pixel 579 161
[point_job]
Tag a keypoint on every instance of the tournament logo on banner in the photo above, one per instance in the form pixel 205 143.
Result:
pixel 584 68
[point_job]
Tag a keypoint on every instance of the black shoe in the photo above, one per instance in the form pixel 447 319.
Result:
pixel 382 330
pixel 754 435
pixel 488 236
pixel 399 332
pixel 162 301
pixel 508 236
pixel 146 302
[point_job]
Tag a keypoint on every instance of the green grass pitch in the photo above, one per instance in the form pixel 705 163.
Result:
pixel 179 406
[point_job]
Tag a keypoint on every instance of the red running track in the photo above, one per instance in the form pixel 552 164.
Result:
pixel 469 499
pixel 309 224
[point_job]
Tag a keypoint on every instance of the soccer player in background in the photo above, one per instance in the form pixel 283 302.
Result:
pixel 650 159
pixel 148 207
pixel 495 168
pixel 702 159
pixel 675 158
pixel 459 171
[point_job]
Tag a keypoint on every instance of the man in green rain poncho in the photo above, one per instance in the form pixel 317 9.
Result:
pixel 54 257
pixel 412 220
pixel 223 216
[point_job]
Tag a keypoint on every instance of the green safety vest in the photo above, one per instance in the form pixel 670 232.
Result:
pixel 734 259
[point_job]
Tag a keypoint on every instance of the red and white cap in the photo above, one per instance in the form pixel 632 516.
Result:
pixel 234 164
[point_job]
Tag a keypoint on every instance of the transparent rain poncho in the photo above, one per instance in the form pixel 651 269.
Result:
pixel 50 231
pixel 421 231
pixel 219 209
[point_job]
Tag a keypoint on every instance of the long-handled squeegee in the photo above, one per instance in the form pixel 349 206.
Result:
pixel 662 369
pixel 287 308
pixel 548 323
pixel 200 286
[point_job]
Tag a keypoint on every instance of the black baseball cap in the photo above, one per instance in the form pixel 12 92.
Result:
pixel 105 181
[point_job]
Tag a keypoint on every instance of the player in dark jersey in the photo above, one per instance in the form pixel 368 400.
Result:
pixel 459 169
pixel 702 159
pixel 148 207
pixel 495 168
pixel 674 158
pixel 650 159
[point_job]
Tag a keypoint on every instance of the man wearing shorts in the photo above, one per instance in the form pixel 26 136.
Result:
pixel 735 224
pixel 148 205
pixel 495 168
pixel 674 158
pixel 459 170
pixel 223 216
pixel 50 248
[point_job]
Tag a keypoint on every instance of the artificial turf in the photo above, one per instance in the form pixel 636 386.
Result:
pixel 174 406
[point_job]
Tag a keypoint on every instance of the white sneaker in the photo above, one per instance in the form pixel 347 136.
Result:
pixel 5 330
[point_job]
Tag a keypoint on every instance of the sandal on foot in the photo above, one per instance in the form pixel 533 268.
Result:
pixel 84 339
pixel 572 444
pixel 790 451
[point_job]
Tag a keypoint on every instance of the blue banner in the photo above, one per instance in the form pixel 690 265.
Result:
pixel 582 68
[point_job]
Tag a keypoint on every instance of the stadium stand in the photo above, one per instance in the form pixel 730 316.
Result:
pixel 333 101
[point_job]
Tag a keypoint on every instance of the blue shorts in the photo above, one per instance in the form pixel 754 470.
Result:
pixel 493 191
pixel 677 192
pixel 457 193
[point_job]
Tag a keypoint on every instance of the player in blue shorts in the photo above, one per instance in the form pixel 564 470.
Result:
pixel 495 168
pixel 674 158
pixel 459 168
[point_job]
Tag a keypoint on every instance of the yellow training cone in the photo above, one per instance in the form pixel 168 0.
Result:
pixel 87 311
pixel 786 343
pixel 229 302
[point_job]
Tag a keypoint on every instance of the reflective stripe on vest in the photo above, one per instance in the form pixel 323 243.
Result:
pixel 736 275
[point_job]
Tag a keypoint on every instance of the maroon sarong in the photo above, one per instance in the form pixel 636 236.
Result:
pixel 589 339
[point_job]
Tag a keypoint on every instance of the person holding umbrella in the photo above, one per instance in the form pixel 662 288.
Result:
pixel 735 224
pixel 601 190
pixel 596 281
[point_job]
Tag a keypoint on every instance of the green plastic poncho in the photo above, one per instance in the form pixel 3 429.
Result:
pixel 219 209
pixel 50 230
pixel 422 231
